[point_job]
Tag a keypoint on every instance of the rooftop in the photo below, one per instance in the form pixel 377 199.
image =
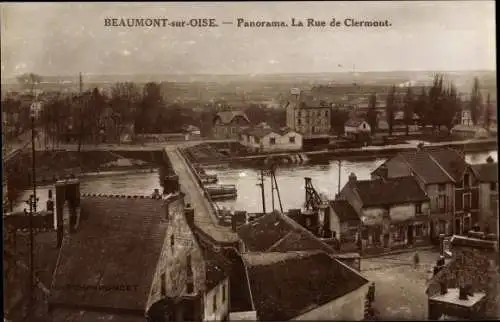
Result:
pixel 277 232
pixel 435 164
pixel 344 211
pixel 286 285
pixel 390 191
pixel 486 172
pixel 227 116
pixel 118 243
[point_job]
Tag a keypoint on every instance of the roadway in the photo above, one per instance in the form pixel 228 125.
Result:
pixel 204 214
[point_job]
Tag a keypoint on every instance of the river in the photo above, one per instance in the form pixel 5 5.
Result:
pixel 290 183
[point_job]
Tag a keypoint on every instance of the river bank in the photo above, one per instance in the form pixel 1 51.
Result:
pixel 352 154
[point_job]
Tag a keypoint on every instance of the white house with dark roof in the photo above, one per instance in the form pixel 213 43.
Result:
pixel 265 139
pixel 229 124
pixel 357 128
pixel 394 212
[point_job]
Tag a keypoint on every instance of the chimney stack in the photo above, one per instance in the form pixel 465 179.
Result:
pixel 50 202
pixel 463 294
pixel 352 177
pixel 66 191
pixel 443 288
pixel 490 159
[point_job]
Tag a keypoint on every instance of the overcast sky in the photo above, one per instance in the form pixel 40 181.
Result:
pixel 66 38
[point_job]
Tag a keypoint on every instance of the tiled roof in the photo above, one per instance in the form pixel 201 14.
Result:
pixel 259 132
pixel 118 242
pixel 486 172
pixel 388 192
pixel 286 285
pixel 344 211
pixel 227 116
pixel 277 232
pixel 75 315
pixel 434 165
pixel 354 122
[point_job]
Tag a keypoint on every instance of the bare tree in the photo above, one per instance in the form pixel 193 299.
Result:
pixel 29 81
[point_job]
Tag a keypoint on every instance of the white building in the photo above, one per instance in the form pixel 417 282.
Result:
pixel 357 128
pixel 266 139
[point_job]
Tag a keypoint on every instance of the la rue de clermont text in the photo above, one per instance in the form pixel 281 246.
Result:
pixel 245 23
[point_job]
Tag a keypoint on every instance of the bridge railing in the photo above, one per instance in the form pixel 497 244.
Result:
pixel 199 181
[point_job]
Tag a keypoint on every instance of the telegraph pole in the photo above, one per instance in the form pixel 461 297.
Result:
pixel 340 166
pixel 263 196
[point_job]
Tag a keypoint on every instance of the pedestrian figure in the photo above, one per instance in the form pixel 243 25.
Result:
pixel 371 292
pixel 416 260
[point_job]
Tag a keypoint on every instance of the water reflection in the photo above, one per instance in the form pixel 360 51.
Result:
pixel 290 181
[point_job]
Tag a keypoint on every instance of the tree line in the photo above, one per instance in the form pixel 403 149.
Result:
pixel 92 116
pixel 438 105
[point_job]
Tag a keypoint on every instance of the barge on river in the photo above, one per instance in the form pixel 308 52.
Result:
pixel 222 191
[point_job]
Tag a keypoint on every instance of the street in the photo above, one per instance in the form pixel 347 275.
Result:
pixel 399 287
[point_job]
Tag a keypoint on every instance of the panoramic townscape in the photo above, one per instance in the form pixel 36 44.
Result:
pixel 346 195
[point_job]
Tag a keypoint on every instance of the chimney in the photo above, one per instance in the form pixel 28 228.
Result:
pixel 463 293
pixel 420 146
pixel 170 184
pixel 443 288
pixel 239 218
pixel 490 159
pixel 352 177
pixel 67 191
pixel 156 194
pixel 50 202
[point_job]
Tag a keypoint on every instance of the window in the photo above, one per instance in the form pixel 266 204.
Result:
pixel 292 139
pixel 442 227
pixel 441 203
pixel 442 188
pixel 215 302
pixel 467 221
pixel 299 121
pixel 223 293
pixel 419 230
pixel 189 287
pixel 163 281
pixel 418 208
pixel 493 186
pixel 172 241
pixel 257 140
pixel 466 182
pixel 189 269
pixel 272 141
pixel 466 200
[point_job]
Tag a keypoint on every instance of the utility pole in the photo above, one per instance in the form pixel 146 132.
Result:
pixel 261 184
pixel 35 107
pixel 272 190
pixel 340 166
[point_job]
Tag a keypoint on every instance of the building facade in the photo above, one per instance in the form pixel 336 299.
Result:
pixel 309 117
pixel 229 124
pixel 440 172
pixel 270 140
pixel 394 212
pixel 487 176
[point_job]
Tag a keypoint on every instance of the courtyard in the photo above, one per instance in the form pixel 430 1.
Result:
pixel 399 286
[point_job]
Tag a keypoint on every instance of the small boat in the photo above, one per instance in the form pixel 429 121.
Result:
pixel 222 191
pixel 209 178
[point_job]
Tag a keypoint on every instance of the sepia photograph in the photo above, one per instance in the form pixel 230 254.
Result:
pixel 249 161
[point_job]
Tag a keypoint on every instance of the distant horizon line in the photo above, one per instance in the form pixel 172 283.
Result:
pixel 257 74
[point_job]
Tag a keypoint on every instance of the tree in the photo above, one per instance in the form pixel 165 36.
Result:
pixel 408 109
pixel 488 112
pixel 338 119
pixel 421 106
pixel 150 108
pixel 475 104
pixel 29 81
pixel 371 115
pixel 125 99
pixel 390 108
